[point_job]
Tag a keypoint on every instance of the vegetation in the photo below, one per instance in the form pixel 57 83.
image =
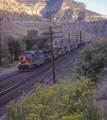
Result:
pixel 70 99
pixel 32 39
pixel 66 101
pixel 15 47
pixel 91 61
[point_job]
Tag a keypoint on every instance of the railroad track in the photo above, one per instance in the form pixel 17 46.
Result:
pixel 60 70
pixel 41 76
pixel 13 81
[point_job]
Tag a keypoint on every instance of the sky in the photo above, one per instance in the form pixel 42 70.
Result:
pixel 99 6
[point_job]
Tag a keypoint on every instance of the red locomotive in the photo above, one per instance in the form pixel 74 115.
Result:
pixel 30 59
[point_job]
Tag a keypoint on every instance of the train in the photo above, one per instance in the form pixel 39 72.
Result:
pixel 28 60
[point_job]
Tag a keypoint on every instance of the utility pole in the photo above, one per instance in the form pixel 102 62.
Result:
pixel 53 67
pixel 69 39
pixel 0 42
pixel 76 38
pixel 80 39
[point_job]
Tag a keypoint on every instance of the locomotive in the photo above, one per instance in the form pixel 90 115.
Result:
pixel 30 59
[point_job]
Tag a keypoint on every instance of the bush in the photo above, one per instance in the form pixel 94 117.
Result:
pixel 67 101
pixel 91 62
pixel 7 61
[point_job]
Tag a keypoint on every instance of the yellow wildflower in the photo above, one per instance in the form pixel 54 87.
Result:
pixel 37 108
pixel 79 100
pixel 41 92
pixel 67 95
pixel 51 93
pixel 64 117
pixel 66 77
pixel 11 102
pixel 32 115
pixel 74 93
pixel 66 89
pixel 41 106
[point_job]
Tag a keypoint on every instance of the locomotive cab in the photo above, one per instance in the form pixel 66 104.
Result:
pixel 25 60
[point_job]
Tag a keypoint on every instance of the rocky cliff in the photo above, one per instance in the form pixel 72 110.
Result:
pixel 36 14
pixel 11 10
pixel 62 10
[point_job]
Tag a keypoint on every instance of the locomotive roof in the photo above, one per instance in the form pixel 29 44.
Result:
pixel 31 52
pixel 55 46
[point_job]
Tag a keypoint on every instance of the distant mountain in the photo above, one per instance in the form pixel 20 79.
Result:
pixel 62 10
pixel 11 10
pixel 45 10
pixel 36 14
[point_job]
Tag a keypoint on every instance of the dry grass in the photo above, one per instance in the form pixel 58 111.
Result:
pixel 11 65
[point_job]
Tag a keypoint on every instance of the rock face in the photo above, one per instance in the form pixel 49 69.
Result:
pixel 68 13
pixel 62 10
pixel 11 10
pixel 54 10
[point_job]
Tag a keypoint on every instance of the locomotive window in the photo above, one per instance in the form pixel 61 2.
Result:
pixel 26 54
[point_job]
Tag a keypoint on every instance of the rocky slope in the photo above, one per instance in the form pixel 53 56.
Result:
pixel 11 10
pixel 62 10
pixel 37 14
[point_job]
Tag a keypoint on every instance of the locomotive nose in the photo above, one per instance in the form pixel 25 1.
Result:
pixel 24 59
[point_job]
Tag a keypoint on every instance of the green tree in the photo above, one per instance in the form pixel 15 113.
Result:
pixel 44 43
pixel 14 47
pixel 31 39
pixel 22 45
pixel 92 60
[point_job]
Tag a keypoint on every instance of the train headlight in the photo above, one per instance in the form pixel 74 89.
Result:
pixel 25 63
pixel 20 63
pixel 23 57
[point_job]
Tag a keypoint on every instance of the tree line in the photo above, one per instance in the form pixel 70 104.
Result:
pixel 31 41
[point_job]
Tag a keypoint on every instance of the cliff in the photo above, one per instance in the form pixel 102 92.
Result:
pixel 36 14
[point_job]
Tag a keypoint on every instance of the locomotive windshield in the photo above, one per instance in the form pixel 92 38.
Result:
pixel 26 54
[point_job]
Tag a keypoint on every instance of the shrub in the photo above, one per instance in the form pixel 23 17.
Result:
pixel 66 101
pixel 91 61
pixel 7 60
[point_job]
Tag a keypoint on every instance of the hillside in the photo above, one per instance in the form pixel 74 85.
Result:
pixel 11 10
pixel 63 10
pixel 38 14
